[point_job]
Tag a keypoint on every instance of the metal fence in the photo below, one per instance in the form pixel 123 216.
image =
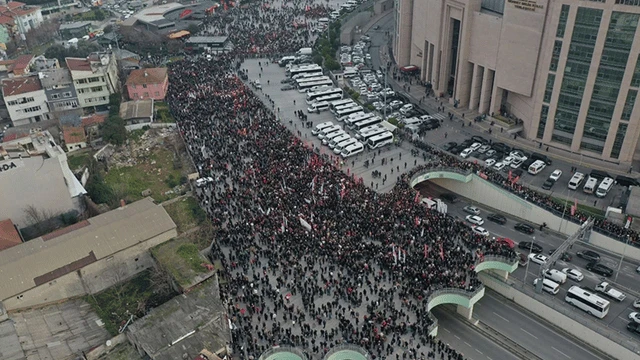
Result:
pixel 597 325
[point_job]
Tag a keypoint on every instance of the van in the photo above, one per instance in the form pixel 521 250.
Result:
pixel 318 106
pixel 328 130
pixel 556 275
pixel 598 174
pixel 538 156
pixel 350 72
pixel 548 285
pixel 341 146
pixel 331 136
pixel 323 21
pixel 352 149
pixel 337 140
pixel 536 167
pixel 590 185
pixel 576 180
pixel 334 15
pixel 316 130
pixel 605 186
pixel 626 181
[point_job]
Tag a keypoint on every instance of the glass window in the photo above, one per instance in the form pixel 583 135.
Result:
pixel 555 57
pixel 543 121
pixel 561 139
pixel 551 79
pixel 628 104
pixel 635 81
pixel 628 2
pixel 617 143
pixel 562 22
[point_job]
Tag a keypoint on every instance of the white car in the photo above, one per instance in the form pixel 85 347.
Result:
pixel 480 230
pixel 636 304
pixel 573 274
pixel 471 210
pixel 484 149
pixel 489 162
pixel 499 166
pixel 475 219
pixel 538 258
pixel 508 160
pixel 555 175
pixel 516 154
pixel 635 317
pixel 466 152
pixel 475 146
pixel 516 163
pixel 406 108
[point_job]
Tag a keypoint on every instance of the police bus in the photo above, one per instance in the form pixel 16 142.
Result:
pixel 303 88
pixel 354 118
pixel 294 70
pixel 371 133
pixel 338 103
pixel 585 300
pixel 366 122
pixel 380 140
pixel 324 95
pixel 347 111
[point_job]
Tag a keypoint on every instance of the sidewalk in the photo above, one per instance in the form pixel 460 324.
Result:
pixel 417 92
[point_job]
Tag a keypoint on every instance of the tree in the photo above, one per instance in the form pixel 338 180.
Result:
pixel 114 131
pixel 107 29
pixel 42 34
pixel 193 29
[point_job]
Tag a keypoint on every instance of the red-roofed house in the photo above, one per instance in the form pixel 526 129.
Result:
pixel 92 124
pixel 20 17
pixel 19 66
pixel 9 236
pixel 74 138
pixel 149 83
pixel 94 78
pixel 25 99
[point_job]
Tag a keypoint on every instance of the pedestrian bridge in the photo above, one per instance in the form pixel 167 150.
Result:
pixel 340 352
pixel 444 172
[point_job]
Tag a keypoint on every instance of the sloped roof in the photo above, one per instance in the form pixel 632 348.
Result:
pixel 78 64
pixel 136 109
pixel 147 76
pixel 20 85
pixel 73 135
pixel 94 119
pixel 8 235
pixel 105 234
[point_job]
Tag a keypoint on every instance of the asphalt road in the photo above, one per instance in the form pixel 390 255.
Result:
pixel 456 133
pixel 627 281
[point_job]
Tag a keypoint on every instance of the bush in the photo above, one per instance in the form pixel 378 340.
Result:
pixel 393 121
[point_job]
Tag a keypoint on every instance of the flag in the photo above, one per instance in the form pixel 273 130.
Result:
pixel 628 223
pixel 509 178
pixel 426 250
pixel 313 183
pixel 574 207
pixel 441 252
pixel 515 180
pixel 417 198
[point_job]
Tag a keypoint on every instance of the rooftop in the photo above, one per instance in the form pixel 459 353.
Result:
pixel 14 9
pixel 93 119
pixel 136 109
pixel 74 25
pixel 78 64
pixel 155 13
pixel 147 76
pixel 8 235
pixel 39 260
pixel 73 135
pixel 200 311
pixel 54 77
pixel 20 85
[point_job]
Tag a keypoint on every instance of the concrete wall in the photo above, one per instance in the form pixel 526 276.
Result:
pixel 151 125
pixel 92 278
pixel 484 192
pixel 484 26
pixel 560 320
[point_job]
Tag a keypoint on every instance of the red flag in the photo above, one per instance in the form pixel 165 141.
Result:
pixel 426 250
pixel 574 207
pixel 515 180
pixel 509 178
pixel 441 252
pixel 417 198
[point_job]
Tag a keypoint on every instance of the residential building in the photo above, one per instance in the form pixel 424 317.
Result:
pixel 74 138
pixel 91 125
pixel 41 63
pixel 212 44
pixel 20 18
pixel 9 235
pixel 60 92
pixel 76 29
pixel 19 66
pixel 137 113
pixel 149 83
pixel 25 99
pixel 568 70
pixel 84 258
pixel 95 78
pixel 36 173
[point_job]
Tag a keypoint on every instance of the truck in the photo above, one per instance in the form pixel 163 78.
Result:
pixel 606 289
pixel 305 51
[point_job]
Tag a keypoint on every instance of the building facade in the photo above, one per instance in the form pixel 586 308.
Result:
pixel 94 78
pixel 20 17
pixel 25 100
pixel 567 69
pixel 60 92
pixel 149 83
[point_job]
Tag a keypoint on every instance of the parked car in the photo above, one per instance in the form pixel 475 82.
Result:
pixel 466 152
pixel 634 327
pixel 538 258
pixel 564 257
pixel 480 231
pixel 489 162
pixel 524 228
pixel 589 255
pixel 497 218
pixel 449 197
pixel 287 87
pixel 573 274
pixel 450 145
pixel 548 184
pixel 531 246
pixel 471 210
pixel 599 269
pixel 475 219
pixel 499 166
pixel 555 175
pixel 635 317
pixel 636 304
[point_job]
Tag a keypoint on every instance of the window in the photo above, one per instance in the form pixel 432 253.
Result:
pixel 81 81
pixel 146 94
pixel 562 23
pixel 549 90
pixel 617 142
pixel 55 96
pixel 96 89
pixel 628 2
pixel 144 86
pixel 157 93
pixel 94 79
pixel 543 121
pixel 67 94
pixel 628 105
pixel 12 102
pixel 635 81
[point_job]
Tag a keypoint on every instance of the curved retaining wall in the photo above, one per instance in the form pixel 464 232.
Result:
pixel 479 190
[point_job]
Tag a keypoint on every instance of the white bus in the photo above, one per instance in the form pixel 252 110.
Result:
pixel 303 88
pixel 364 123
pixel 591 303
pixel 354 118
pixel 316 107
pixel 348 111
pixel 304 80
pixel 303 69
pixel 368 129
pixel 349 104
pixel 337 140
pixel 318 95
pixel 352 149
pixel 339 147
pixel 337 103
pixel 329 98
pixel 380 140
pixel 350 116
pixel 369 134
pixel 306 75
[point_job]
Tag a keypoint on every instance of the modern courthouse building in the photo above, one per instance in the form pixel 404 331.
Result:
pixel 568 69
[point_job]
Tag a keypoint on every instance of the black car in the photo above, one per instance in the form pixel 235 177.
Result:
pixel 564 257
pixel 524 228
pixel 479 139
pixel 467 143
pixel 501 147
pixel 532 247
pixel 626 181
pixel 482 156
pixel 449 197
pixel 458 149
pixel 589 255
pixel 548 184
pixel 435 123
pixel 450 145
pixel 525 164
pixel 497 218
pixel 599 269
pixel 516 172
pixel 634 327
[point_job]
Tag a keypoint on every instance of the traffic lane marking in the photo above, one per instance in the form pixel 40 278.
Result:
pixel 530 334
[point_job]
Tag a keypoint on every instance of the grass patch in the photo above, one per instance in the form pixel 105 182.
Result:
pixel 77 161
pixel 116 304
pixel 186 213
pixel 135 135
pixel 162 113
pixel 157 172
pixel 586 209
pixel 180 257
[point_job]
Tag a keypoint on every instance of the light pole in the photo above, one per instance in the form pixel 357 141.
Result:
pixel 526 270
pixel 624 250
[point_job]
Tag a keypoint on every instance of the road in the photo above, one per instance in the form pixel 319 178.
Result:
pixel 627 280
pixel 456 133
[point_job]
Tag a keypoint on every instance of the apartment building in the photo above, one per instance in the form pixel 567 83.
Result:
pixel 94 78
pixel 25 99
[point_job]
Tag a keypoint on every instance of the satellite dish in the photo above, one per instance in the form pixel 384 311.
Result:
pixel 108 342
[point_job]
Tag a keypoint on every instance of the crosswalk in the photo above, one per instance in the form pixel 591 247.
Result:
pixel 438 116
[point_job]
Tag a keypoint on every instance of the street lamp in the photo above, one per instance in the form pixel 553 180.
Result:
pixel 624 250
pixel 526 270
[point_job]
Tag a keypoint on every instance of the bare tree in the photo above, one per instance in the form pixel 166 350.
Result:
pixel 116 275
pixel 161 280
